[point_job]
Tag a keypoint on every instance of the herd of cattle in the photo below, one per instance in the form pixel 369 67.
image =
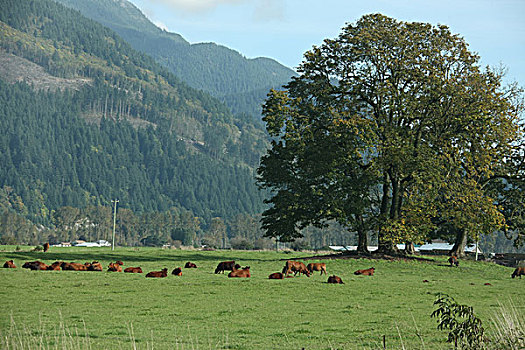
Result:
pixel 295 267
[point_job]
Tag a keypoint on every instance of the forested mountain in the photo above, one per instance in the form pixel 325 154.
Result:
pixel 86 118
pixel 239 82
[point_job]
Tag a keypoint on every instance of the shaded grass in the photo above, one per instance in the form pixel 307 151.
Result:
pixel 201 310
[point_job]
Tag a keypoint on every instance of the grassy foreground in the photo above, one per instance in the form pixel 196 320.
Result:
pixel 201 310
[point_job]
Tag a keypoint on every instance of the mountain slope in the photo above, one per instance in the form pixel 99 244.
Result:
pixel 123 128
pixel 239 82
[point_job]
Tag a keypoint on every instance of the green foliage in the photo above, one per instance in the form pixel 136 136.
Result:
pixel 466 330
pixel 389 128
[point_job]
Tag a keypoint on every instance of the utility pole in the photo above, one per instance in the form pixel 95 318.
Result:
pixel 115 201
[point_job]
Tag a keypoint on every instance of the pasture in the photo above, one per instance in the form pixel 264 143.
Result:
pixel 203 310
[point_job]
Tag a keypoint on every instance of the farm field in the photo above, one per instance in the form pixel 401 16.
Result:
pixel 202 310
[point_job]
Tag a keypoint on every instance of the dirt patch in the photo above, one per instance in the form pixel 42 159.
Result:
pixel 17 69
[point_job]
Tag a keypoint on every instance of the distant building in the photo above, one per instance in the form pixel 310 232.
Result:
pixel 436 247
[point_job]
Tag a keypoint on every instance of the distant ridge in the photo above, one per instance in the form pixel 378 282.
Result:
pixel 240 82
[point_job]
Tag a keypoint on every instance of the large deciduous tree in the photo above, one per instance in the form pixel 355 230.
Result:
pixel 388 126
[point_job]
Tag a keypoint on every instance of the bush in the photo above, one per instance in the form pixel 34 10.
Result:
pixel 241 243
pixel 300 245
pixel 466 330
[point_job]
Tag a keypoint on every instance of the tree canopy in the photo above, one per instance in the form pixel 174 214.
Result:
pixel 393 128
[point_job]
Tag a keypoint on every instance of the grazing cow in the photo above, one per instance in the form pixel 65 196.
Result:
pixel 46 247
pixel 335 279
pixel 55 266
pixel 114 267
pixel 367 272
pixel 9 264
pixel 295 267
pixel 190 265
pixel 316 267
pixel 118 262
pixel 244 272
pixel 177 271
pixel 453 260
pixel 520 271
pixel 133 270
pixel 35 265
pixel 74 266
pixel 94 266
pixel 276 276
pixel 158 274
pixel 227 265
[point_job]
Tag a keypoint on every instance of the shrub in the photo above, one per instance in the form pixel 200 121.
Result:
pixel 466 330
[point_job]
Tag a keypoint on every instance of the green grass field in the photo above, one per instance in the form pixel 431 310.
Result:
pixel 202 310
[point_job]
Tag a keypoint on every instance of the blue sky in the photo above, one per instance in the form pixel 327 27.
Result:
pixel 285 29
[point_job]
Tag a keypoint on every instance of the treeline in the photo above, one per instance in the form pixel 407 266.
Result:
pixel 173 226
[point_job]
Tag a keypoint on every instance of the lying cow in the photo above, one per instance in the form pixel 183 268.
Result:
pixel 118 262
pixel 9 264
pixel 367 272
pixel 133 270
pixel 190 265
pixel 177 271
pixel 227 265
pixel 335 279
pixel 520 271
pixel 316 267
pixel 35 265
pixel 276 276
pixel 295 267
pixel 453 260
pixel 56 266
pixel 114 267
pixel 244 272
pixel 158 274
pixel 94 266
pixel 73 266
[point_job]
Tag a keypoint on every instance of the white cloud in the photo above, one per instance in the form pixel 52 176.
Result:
pixel 269 10
pixel 196 6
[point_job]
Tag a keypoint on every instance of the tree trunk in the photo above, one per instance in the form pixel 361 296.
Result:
pixel 461 242
pixel 387 247
pixel 409 248
pixel 362 239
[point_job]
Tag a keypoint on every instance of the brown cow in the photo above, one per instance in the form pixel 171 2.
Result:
pixel 295 267
pixel 9 264
pixel 227 265
pixel 177 271
pixel 335 279
pixel 316 267
pixel 520 271
pixel 114 267
pixel 94 266
pixel 453 260
pixel 159 274
pixel 244 272
pixel 118 262
pixel 367 272
pixel 190 265
pixel 276 276
pixel 133 270
pixel 35 265
pixel 73 266
pixel 46 247
pixel 55 266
